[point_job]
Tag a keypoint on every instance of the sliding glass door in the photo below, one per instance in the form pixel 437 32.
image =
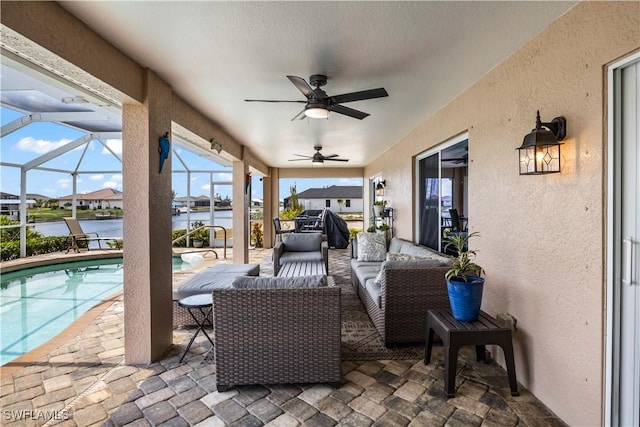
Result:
pixel 441 190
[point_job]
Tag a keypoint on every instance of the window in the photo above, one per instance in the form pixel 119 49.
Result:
pixel 327 203
pixel 348 203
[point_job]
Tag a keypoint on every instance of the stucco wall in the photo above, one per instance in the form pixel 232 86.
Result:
pixel 542 239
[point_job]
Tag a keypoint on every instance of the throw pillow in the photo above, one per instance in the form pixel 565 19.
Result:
pixel 371 247
pixel 402 257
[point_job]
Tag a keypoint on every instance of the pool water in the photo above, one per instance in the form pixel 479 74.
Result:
pixel 38 303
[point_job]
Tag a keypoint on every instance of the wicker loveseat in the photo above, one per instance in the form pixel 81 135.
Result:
pixel 277 330
pixel 398 291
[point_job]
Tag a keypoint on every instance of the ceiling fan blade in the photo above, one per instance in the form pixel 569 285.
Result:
pixel 303 155
pixel 299 116
pixel 336 160
pixel 359 96
pixel 302 85
pixel 273 100
pixel 341 109
pixel 297 160
pixel 328 156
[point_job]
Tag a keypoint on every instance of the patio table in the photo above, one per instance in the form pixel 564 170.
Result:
pixel 201 303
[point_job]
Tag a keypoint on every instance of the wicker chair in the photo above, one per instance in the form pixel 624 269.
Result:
pixel 276 336
pixel 299 247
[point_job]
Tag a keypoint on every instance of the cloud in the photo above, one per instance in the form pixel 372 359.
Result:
pixel 222 177
pixel 64 182
pixel 194 178
pixel 99 177
pixel 115 145
pixel 206 187
pixel 115 182
pixel 39 146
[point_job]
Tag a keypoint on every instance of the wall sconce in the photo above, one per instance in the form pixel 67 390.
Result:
pixel 380 188
pixel 215 145
pixel 540 151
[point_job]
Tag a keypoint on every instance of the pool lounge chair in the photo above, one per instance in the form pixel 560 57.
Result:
pixel 77 235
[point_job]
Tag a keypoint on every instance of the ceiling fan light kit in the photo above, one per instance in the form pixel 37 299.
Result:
pixel 316 113
pixel 319 104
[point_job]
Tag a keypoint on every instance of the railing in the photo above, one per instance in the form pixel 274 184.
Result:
pixel 213 227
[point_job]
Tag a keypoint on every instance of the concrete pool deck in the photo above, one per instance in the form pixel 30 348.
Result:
pixel 82 381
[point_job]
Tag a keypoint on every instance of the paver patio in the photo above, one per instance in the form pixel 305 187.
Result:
pixel 84 382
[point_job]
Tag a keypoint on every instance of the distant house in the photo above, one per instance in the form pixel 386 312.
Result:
pixel 318 198
pixel 106 198
pixel 10 205
pixel 197 201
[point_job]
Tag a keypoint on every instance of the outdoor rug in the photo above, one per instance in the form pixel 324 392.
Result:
pixel 361 340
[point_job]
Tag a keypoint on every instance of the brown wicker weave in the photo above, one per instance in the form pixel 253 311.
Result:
pixel 181 316
pixel 276 336
pixel 407 294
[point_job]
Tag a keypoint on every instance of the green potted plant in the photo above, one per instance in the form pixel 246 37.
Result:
pixel 464 278
pixel 378 207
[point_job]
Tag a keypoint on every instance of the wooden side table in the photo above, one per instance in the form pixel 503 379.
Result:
pixel 455 334
pixel 202 303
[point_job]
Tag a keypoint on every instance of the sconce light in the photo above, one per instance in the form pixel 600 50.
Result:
pixel 215 145
pixel 380 188
pixel 540 151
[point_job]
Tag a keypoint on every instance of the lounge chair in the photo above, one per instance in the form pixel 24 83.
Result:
pixel 78 235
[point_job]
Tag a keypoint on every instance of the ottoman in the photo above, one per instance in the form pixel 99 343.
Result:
pixel 219 276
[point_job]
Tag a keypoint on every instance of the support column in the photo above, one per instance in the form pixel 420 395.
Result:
pixel 240 213
pixel 271 195
pixel 147 225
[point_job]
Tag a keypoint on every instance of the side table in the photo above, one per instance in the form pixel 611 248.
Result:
pixel 200 302
pixel 455 334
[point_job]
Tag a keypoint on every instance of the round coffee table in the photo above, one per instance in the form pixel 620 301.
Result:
pixel 203 304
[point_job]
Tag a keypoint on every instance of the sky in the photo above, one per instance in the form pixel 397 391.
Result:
pixel 99 168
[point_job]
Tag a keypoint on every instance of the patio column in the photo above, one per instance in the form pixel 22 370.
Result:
pixel 147 225
pixel 271 195
pixel 240 213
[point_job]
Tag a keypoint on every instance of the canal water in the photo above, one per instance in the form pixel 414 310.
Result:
pixel 113 227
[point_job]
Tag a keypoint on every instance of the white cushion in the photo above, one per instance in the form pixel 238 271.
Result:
pixel 371 247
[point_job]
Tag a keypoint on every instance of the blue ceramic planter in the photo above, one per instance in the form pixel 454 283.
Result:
pixel 465 298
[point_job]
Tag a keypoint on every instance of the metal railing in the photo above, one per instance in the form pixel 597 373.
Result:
pixel 211 234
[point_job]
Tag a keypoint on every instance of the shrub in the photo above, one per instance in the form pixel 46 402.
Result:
pixel 35 246
pixel 256 234
pixel 288 214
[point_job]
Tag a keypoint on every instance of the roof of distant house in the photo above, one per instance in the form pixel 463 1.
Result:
pixel 102 194
pixel 36 196
pixel 333 192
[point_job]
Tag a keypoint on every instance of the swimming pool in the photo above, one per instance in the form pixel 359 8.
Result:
pixel 38 303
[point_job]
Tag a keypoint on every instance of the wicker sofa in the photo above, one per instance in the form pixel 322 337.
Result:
pixel 398 291
pixel 277 330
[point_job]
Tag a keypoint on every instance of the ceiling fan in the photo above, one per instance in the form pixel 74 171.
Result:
pixel 319 104
pixel 318 157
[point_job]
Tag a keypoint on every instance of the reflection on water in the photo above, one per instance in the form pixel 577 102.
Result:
pixel 113 227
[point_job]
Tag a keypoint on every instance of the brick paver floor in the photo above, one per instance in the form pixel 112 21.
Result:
pixel 84 382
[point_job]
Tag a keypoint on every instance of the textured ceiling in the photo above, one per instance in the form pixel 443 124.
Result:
pixel 216 54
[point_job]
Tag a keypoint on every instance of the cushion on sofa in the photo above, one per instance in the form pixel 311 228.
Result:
pixel 218 276
pixel 398 245
pixel 365 272
pixel 371 247
pixel 402 257
pixel 313 256
pixel 374 290
pixel 302 242
pixel 247 282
